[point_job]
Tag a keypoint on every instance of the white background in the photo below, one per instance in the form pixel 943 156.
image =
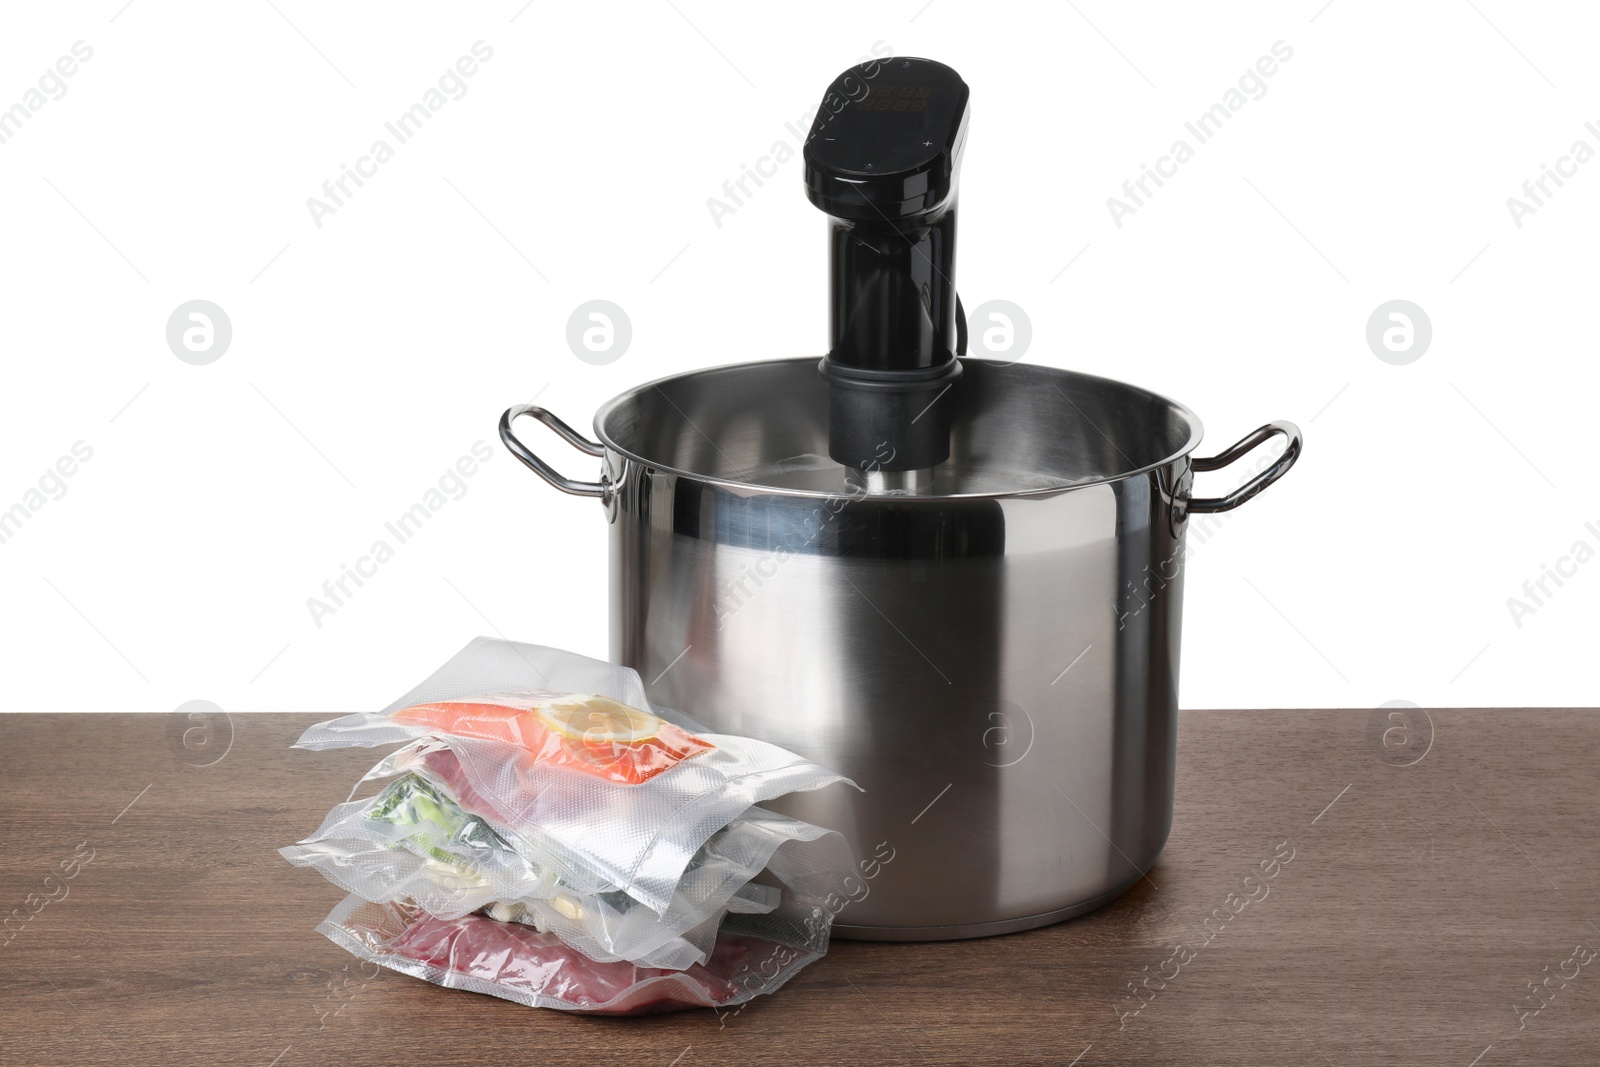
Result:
pixel 370 353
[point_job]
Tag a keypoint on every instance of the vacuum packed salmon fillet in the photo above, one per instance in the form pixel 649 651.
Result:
pixel 592 734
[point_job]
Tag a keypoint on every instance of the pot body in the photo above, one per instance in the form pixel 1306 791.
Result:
pixel 999 676
pixel 998 670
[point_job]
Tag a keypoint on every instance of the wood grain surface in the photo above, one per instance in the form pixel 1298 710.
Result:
pixel 1422 905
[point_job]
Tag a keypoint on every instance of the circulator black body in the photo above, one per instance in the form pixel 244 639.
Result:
pixel 882 161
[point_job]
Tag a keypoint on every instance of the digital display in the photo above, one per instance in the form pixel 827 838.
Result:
pixel 895 98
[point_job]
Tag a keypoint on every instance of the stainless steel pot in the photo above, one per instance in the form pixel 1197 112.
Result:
pixel 994 658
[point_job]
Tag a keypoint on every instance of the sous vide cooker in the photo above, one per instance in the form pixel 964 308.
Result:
pixel 957 581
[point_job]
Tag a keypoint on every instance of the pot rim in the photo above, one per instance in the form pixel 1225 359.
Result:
pixel 1196 432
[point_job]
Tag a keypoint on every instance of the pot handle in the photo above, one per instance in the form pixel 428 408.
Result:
pixel 601 489
pixel 1249 489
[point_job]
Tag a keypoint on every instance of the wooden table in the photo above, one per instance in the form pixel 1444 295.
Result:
pixel 1422 898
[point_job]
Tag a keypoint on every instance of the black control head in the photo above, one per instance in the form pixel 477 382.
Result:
pixel 887 141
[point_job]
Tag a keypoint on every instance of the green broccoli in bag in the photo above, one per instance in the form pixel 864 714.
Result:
pixel 411 802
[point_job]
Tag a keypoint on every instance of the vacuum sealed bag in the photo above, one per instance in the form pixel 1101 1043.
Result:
pixel 593 926
pixel 754 954
pixel 415 841
pixel 587 733
pixel 577 764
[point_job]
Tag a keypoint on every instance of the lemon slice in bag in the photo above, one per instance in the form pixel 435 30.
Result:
pixel 599 720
